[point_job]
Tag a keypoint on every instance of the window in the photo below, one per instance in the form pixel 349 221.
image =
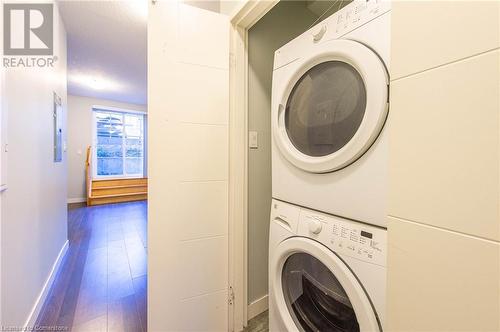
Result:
pixel 119 144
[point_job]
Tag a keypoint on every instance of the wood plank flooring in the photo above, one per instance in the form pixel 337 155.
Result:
pixel 259 323
pixel 102 283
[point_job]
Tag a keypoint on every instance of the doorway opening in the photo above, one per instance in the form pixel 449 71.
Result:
pixel 101 283
pixel 262 38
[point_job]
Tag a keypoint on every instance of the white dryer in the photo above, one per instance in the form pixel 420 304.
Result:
pixel 325 273
pixel 330 115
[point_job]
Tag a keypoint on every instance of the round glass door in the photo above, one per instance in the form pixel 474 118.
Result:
pixel 330 107
pixel 325 108
pixel 314 297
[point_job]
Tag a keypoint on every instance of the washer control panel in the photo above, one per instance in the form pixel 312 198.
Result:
pixel 354 239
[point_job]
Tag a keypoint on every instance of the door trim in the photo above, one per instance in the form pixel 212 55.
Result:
pixel 249 13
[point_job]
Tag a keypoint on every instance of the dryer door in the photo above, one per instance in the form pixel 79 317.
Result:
pixel 315 291
pixel 333 107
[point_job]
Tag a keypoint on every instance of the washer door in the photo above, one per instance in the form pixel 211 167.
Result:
pixel 315 291
pixel 333 108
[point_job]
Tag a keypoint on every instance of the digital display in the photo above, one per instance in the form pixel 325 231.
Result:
pixel 366 234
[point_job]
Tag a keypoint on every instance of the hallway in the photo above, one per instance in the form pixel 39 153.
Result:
pixel 102 283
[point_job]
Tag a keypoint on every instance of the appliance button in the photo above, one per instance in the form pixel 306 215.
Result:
pixel 318 35
pixel 336 230
pixel 315 226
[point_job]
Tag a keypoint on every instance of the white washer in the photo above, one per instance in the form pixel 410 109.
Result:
pixel 329 111
pixel 326 273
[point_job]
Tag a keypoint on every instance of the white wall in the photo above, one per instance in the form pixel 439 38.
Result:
pixel 444 217
pixel 211 5
pixel 34 214
pixel 283 23
pixel 229 7
pixel 80 137
pixel 2 142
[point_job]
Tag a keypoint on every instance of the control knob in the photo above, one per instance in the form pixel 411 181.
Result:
pixel 315 226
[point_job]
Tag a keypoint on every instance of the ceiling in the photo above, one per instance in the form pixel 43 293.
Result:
pixel 107 45
pixel 107 49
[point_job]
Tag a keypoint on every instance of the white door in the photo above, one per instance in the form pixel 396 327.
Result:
pixel 188 108
pixel 332 108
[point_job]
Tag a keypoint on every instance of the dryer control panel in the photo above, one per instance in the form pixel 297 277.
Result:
pixel 342 22
pixel 345 237
pixel 356 14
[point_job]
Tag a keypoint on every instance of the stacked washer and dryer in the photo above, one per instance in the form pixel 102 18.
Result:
pixel 327 247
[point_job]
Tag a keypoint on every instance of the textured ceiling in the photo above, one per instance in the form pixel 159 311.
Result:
pixel 107 49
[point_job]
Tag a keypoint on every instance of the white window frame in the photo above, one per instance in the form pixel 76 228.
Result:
pixel 94 142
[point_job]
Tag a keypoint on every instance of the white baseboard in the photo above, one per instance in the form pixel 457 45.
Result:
pixel 31 321
pixel 76 200
pixel 258 306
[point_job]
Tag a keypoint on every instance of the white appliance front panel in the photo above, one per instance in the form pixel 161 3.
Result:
pixel 345 237
pixel 358 191
pixel 361 247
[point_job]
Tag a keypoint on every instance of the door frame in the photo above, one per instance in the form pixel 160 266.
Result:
pixel 249 13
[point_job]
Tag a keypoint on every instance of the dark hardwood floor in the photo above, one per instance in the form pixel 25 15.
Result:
pixel 102 282
pixel 259 323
